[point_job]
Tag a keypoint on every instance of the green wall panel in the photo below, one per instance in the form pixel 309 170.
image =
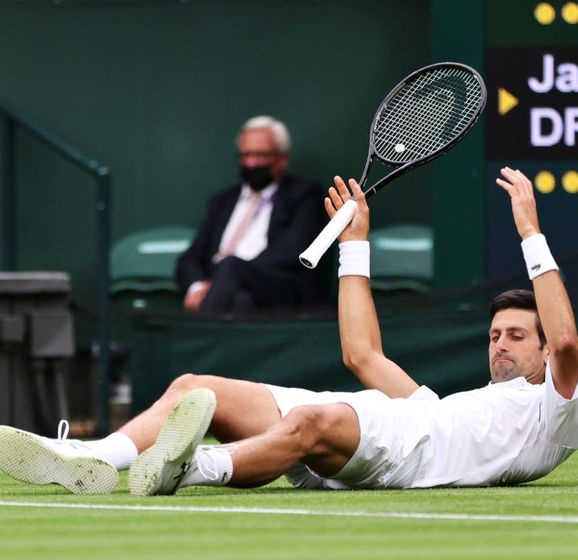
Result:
pixel 458 205
pixel 444 348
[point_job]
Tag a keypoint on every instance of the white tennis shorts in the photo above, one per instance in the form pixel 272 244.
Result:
pixel 393 447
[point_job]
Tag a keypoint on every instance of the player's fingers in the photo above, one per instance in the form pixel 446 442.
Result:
pixel 359 196
pixel 514 178
pixel 508 174
pixel 526 183
pixel 329 208
pixel 336 198
pixel 519 182
pixel 356 190
pixel 521 175
pixel 341 188
pixel 504 184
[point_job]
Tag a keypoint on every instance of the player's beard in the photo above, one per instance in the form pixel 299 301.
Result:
pixel 504 368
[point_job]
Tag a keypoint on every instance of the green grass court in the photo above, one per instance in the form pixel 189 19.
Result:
pixel 537 520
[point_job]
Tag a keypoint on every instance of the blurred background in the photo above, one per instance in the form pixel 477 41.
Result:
pixel 118 117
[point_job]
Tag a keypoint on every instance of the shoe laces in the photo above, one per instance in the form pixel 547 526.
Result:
pixel 63 430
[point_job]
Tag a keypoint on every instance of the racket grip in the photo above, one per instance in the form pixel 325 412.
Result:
pixel 311 256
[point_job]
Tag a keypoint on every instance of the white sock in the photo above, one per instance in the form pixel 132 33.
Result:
pixel 118 449
pixel 213 466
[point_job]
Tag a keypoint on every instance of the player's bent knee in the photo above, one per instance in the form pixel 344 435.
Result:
pixel 307 424
pixel 182 385
pixel 188 381
pixel 325 428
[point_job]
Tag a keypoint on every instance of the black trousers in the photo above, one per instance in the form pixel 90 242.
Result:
pixel 239 285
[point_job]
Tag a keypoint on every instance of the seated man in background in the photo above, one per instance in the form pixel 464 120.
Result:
pixel 245 255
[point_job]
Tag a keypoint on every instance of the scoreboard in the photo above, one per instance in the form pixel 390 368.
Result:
pixel 535 110
pixel 532 124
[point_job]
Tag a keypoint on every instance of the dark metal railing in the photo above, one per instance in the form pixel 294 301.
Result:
pixel 9 123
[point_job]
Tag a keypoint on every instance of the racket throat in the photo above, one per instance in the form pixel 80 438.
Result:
pixel 370 192
pixel 363 178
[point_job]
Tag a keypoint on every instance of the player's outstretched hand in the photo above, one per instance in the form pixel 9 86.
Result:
pixel 358 228
pixel 521 192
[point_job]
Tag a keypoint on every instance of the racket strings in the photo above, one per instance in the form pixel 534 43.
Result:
pixel 416 125
pixel 424 126
pixel 445 113
pixel 455 120
pixel 426 114
pixel 399 112
pixel 411 102
pixel 421 134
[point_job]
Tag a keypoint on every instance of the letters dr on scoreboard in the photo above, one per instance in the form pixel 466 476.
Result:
pixel 532 103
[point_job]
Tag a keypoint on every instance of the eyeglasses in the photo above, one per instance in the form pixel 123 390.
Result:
pixel 258 155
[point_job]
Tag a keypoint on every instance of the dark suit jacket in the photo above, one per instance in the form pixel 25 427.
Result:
pixel 297 217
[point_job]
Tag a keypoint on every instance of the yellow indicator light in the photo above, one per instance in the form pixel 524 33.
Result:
pixel 545 182
pixel 570 13
pixel 570 182
pixel 544 13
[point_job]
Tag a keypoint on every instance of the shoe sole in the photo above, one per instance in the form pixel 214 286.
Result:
pixel 184 429
pixel 26 458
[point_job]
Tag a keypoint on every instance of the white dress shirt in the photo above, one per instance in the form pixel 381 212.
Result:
pixel 254 242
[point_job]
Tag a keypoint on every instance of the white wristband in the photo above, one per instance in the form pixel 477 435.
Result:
pixel 354 258
pixel 537 255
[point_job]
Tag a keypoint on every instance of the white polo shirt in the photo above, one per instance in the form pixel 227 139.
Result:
pixel 504 433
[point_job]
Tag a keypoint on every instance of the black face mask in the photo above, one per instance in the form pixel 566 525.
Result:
pixel 257 177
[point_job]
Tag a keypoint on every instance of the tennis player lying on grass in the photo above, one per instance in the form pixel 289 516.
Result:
pixel 394 434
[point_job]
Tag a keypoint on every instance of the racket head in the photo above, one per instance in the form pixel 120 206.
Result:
pixel 427 113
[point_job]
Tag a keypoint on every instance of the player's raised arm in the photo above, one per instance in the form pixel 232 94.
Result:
pixel 552 300
pixel 358 324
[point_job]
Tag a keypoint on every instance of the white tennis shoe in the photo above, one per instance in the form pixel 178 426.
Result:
pixel 162 468
pixel 40 460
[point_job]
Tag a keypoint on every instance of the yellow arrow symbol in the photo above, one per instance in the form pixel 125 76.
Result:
pixel 506 101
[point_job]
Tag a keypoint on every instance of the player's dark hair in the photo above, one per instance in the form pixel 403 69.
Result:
pixel 518 299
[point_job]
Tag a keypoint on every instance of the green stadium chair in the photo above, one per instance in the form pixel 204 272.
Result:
pixel 401 258
pixel 142 266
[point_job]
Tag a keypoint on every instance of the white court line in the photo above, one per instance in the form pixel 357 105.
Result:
pixel 305 512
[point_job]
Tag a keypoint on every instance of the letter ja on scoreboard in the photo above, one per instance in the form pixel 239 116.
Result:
pixel 544 122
